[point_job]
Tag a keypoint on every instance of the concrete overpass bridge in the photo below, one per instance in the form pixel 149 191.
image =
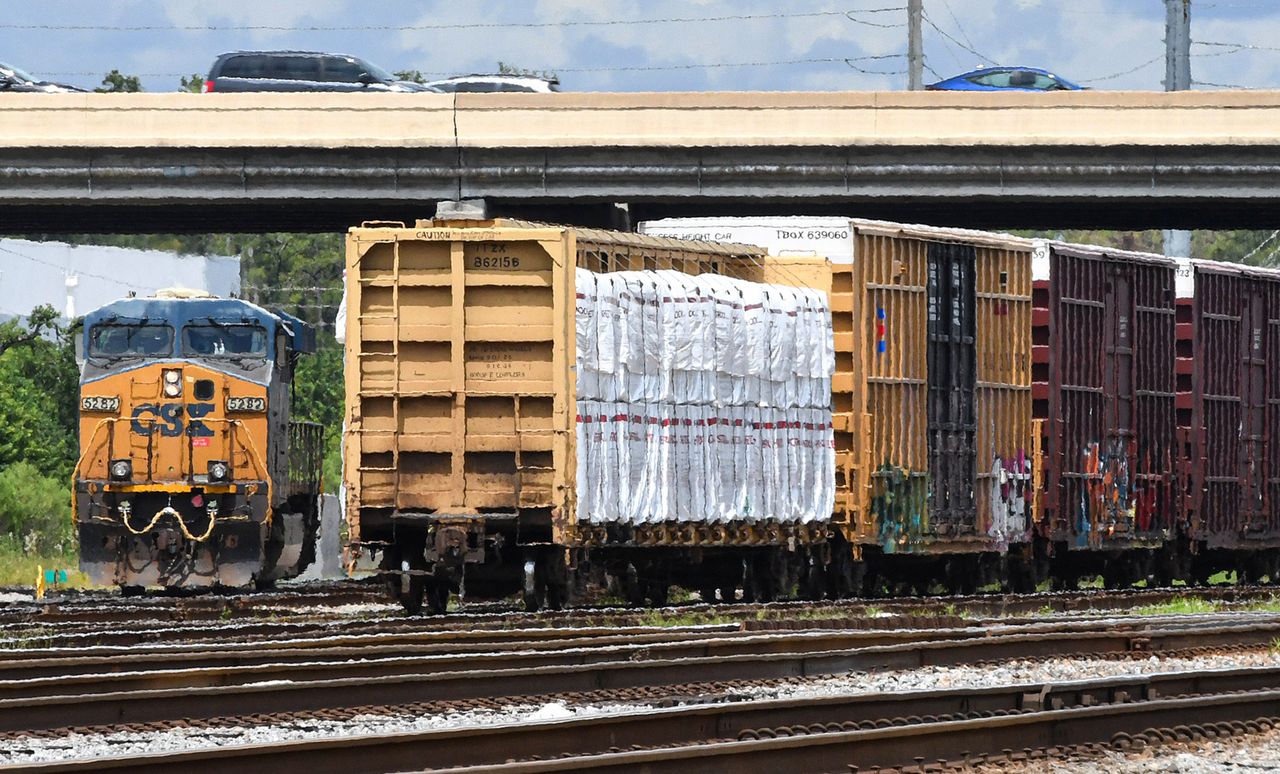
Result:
pixel 252 162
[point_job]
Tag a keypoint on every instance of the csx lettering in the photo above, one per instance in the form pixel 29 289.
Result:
pixel 168 418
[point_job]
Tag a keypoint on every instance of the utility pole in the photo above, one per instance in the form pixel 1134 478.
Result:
pixel 915 45
pixel 1177 77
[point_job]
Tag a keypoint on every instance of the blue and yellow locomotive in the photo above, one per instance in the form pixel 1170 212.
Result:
pixel 191 473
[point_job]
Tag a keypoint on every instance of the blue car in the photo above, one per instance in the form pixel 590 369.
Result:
pixel 1006 79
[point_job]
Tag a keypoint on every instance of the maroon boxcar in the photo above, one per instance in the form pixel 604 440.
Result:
pixel 1229 410
pixel 1103 359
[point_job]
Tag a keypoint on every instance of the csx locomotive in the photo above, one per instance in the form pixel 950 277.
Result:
pixel 191 473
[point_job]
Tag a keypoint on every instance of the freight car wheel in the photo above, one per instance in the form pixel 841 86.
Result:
pixel 410 590
pixel 436 594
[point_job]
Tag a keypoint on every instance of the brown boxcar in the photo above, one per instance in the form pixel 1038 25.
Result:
pixel 1104 359
pixel 942 336
pixel 460 441
pixel 1229 406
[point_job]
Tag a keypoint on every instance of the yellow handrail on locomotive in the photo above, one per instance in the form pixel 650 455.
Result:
pixel 249 448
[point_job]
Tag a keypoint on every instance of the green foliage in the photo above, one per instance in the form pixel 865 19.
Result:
pixel 35 511
pixel 194 84
pixel 1257 248
pixel 318 397
pixel 116 81
pixel 39 385
pixel 506 68
pixel 13 333
pixel 415 76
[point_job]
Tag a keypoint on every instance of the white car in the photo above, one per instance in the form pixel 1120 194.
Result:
pixel 495 83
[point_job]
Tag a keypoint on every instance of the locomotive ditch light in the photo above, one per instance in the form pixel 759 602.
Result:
pixel 172 383
pixel 121 470
pixel 219 470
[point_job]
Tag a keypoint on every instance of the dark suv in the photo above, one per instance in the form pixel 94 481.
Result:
pixel 301 71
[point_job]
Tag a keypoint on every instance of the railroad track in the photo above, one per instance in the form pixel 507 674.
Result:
pixel 118 621
pixel 863 731
pixel 315 685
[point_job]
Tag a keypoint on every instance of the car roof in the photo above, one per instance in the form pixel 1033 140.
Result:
pixel 496 77
pixel 288 52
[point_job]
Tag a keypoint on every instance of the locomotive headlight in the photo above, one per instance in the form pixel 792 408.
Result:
pixel 218 470
pixel 172 383
pixel 121 470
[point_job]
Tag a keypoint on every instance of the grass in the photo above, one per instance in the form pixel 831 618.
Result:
pixel 1181 606
pixel 660 618
pixel 20 569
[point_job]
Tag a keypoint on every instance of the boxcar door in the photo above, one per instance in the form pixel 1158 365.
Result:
pixel 951 359
pixel 1118 404
pixel 1253 406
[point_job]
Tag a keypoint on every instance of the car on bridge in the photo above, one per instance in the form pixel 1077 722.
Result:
pixel 1006 79
pixel 496 83
pixel 301 71
pixel 14 79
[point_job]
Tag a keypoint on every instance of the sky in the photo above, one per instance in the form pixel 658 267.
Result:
pixel 657 45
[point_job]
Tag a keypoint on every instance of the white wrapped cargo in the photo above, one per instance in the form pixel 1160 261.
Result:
pixel 702 399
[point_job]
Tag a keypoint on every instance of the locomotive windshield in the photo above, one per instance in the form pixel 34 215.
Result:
pixel 224 340
pixel 131 340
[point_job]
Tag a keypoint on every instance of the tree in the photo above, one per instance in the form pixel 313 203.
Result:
pixel 43 319
pixel 194 84
pixel 415 76
pixel 39 385
pixel 506 68
pixel 116 81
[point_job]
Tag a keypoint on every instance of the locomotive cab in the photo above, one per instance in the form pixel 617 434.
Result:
pixel 191 472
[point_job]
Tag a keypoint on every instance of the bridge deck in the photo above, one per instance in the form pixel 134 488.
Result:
pixel 651 120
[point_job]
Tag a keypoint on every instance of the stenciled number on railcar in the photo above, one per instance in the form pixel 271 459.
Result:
pixel 246 404
pixel 100 403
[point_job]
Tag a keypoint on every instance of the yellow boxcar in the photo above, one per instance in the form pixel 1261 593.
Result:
pixel 460 443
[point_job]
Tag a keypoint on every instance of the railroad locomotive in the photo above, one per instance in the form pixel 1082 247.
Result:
pixel 191 473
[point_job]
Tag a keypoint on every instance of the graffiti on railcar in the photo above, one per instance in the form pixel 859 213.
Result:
pixel 1011 492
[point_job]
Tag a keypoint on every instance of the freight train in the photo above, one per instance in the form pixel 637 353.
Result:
pixel 191 473
pixel 817 406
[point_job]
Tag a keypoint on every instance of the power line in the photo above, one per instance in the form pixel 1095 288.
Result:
pixel 69 270
pixel 633 68
pixel 848 14
pixel 951 38
pixel 1112 76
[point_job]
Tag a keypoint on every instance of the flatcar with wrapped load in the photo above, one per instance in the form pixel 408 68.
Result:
pixel 524 401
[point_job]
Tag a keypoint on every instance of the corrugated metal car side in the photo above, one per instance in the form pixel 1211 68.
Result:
pixel 1105 335
pixel 1007 465
pixel 895 329
pixel 1234 434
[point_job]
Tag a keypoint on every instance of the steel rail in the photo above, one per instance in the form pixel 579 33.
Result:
pixel 864 650
pixel 704 724
pixel 26 664
pixel 912 745
pixel 37 704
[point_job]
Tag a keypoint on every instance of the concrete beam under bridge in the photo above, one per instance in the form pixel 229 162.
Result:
pixel 255 162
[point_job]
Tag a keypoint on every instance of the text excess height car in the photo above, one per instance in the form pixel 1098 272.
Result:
pixel 1006 79
pixel 301 71
pixel 13 79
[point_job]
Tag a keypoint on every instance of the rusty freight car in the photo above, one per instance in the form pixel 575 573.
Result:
pixel 465 428
pixel 1229 414
pixel 1104 365
pixel 937 455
